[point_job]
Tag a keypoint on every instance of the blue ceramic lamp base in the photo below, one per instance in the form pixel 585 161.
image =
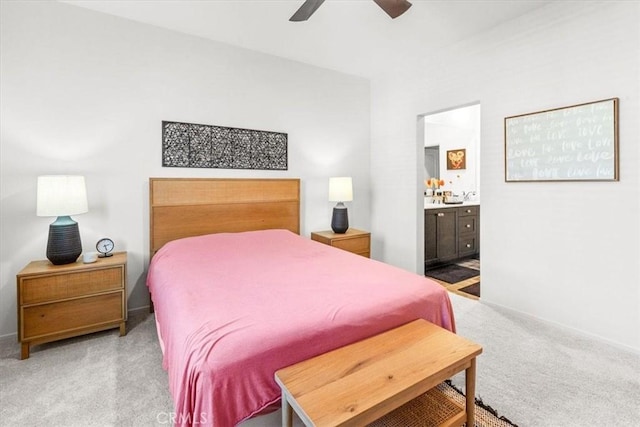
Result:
pixel 64 245
pixel 340 219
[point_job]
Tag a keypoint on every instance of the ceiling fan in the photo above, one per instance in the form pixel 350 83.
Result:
pixel 394 8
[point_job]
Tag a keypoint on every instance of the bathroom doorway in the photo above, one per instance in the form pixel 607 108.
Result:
pixel 449 147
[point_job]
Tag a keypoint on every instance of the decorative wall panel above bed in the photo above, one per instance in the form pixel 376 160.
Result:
pixel 192 145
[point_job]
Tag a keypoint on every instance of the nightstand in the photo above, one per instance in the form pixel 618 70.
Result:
pixel 63 301
pixel 356 241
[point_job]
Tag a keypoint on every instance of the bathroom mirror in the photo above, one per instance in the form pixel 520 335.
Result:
pixel 455 130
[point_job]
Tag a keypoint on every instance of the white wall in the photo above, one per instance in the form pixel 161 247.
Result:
pixel 85 93
pixel 566 252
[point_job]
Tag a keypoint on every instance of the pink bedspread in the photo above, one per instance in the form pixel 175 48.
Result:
pixel 233 308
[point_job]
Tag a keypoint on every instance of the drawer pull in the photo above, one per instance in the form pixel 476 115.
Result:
pixel 468 245
pixel 468 225
pixel 440 214
pixel 468 210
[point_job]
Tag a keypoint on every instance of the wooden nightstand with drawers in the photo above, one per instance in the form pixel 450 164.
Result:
pixel 356 241
pixel 63 301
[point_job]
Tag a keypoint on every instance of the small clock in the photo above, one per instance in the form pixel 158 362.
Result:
pixel 105 247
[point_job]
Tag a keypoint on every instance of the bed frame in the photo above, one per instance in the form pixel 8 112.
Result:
pixel 186 207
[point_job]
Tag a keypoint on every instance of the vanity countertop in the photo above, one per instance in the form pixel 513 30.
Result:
pixel 429 205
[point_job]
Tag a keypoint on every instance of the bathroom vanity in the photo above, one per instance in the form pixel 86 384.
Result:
pixel 451 232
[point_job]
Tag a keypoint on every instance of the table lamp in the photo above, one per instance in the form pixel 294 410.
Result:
pixel 340 190
pixel 62 196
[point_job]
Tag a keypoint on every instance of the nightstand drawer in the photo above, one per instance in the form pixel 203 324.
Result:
pixel 36 289
pixel 354 240
pixel 355 245
pixel 65 316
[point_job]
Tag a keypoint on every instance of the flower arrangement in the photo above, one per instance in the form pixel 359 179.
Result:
pixel 434 183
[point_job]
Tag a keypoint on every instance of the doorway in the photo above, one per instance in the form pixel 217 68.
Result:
pixel 444 138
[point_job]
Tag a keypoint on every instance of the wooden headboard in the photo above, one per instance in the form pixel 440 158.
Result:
pixel 185 207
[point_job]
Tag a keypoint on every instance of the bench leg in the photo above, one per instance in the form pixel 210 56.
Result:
pixel 287 412
pixel 470 391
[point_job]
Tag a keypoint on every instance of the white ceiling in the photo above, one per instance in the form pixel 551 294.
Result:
pixel 351 36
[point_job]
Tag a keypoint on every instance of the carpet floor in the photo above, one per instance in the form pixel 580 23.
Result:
pixel 462 278
pixel 534 373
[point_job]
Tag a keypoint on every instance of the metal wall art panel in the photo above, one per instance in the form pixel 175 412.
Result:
pixel 189 145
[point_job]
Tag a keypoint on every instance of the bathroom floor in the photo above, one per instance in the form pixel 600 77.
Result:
pixel 468 287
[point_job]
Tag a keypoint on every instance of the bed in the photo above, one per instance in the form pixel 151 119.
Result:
pixel 239 294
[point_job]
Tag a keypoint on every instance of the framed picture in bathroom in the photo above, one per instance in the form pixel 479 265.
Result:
pixel 457 159
pixel 575 143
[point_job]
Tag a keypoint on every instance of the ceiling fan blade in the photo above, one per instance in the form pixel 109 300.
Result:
pixel 394 8
pixel 306 10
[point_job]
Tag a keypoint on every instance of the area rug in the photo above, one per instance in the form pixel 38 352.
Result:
pixel 471 289
pixel 452 273
pixel 436 406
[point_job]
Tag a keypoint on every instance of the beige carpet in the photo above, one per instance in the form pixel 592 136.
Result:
pixel 534 373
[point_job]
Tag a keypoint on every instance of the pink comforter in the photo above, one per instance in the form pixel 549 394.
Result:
pixel 233 308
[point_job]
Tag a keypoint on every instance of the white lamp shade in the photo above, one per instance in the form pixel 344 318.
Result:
pixel 61 195
pixel 340 189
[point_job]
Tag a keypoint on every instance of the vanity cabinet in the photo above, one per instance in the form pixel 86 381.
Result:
pixel 450 233
pixel 440 235
pixel 468 231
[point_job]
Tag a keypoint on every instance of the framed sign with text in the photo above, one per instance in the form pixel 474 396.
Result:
pixel 576 143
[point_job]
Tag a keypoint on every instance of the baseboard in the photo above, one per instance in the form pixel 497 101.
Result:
pixel 7 336
pixel 580 332
pixel 138 309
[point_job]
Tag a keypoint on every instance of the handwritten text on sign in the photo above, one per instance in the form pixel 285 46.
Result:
pixel 572 143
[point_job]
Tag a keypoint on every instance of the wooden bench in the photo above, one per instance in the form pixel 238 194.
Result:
pixel 359 383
